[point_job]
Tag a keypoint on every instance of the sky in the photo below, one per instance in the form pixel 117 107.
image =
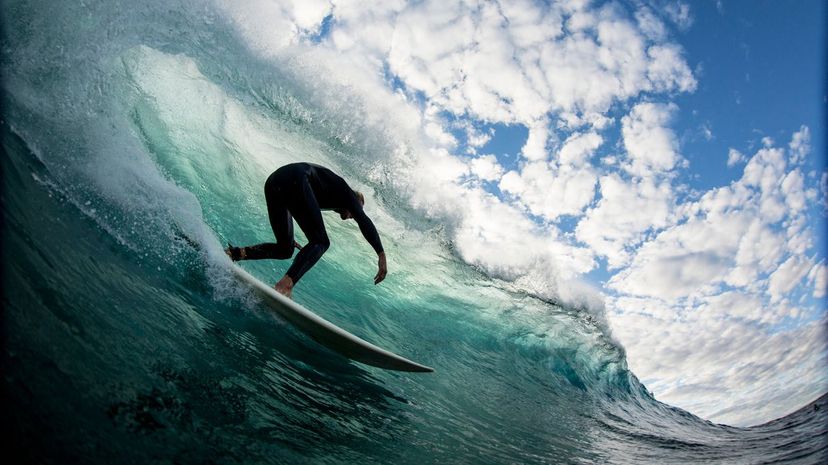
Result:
pixel 667 157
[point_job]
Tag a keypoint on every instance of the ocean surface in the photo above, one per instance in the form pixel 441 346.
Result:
pixel 128 127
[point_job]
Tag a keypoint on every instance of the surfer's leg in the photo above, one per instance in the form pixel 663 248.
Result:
pixel 305 210
pixel 282 224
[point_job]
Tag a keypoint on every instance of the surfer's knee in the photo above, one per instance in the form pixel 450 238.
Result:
pixel 284 250
pixel 321 244
pixel 325 243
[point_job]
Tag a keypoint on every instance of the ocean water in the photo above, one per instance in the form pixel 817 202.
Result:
pixel 127 127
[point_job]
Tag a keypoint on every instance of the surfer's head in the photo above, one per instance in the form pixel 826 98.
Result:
pixel 345 214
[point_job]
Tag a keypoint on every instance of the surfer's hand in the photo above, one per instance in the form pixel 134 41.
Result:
pixel 296 244
pixel 383 269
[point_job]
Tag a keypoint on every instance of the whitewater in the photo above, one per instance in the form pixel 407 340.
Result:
pixel 129 128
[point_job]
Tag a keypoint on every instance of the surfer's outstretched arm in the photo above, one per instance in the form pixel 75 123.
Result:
pixel 382 268
pixel 369 232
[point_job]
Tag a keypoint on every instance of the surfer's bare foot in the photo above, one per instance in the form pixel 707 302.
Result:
pixel 285 287
pixel 235 253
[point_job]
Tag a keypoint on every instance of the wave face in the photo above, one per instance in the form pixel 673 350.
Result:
pixel 127 128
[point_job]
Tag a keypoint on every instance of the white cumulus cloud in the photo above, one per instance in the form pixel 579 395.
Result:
pixel 701 297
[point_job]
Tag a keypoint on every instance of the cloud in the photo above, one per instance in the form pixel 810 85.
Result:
pixel 578 148
pixel 787 276
pixel 759 250
pixel 563 186
pixel 800 144
pixel 651 146
pixel 309 14
pixel 475 138
pixel 550 191
pixel 734 157
pixel 650 24
pixel 668 71
pixel 535 147
pixel 627 209
pixel 794 192
pixel 486 168
pixel 734 233
pixel 515 62
pixel 701 298
pixel 513 246
pixel 679 13
pixel 819 276
pixel 716 362
pixel 671 277
pixel 270 26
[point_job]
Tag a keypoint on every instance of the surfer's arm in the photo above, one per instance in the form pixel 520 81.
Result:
pixel 366 226
pixel 369 232
pixel 382 268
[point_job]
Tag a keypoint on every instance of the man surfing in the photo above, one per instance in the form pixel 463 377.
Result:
pixel 301 191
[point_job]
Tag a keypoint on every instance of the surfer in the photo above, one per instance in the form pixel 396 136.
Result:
pixel 301 191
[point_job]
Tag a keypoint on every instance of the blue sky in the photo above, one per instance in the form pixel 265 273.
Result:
pixel 761 73
pixel 670 154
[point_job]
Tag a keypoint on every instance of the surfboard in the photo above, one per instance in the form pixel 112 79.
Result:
pixel 325 332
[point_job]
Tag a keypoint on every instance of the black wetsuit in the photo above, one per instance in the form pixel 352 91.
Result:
pixel 300 191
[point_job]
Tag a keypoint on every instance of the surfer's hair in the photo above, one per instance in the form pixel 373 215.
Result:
pixel 360 197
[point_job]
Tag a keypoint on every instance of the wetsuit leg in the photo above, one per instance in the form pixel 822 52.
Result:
pixel 305 210
pixel 280 221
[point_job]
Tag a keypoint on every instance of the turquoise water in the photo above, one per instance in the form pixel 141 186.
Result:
pixel 126 127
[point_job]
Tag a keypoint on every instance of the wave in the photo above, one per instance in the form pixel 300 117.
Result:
pixel 125 129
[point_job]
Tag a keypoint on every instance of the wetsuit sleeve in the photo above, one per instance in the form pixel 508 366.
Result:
pixel 366 226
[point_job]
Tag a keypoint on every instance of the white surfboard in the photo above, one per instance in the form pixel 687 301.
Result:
pixel 325 332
